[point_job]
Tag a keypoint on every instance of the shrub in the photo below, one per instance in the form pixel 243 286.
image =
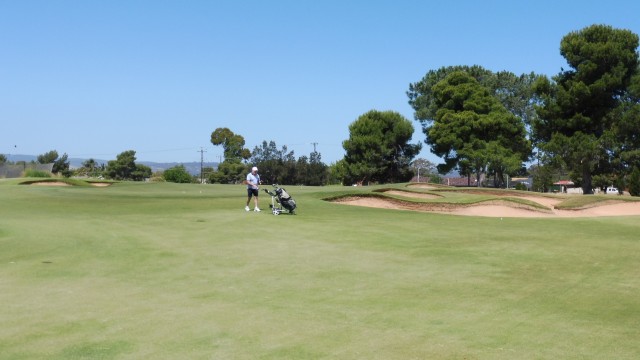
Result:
pixel 37 173
pixel 177 174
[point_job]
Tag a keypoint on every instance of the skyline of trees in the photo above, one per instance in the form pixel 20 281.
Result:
pixel 583 122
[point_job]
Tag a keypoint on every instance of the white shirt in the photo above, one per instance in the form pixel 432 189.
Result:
pixel 253 181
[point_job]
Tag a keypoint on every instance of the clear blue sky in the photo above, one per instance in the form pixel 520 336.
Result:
pixel 95 78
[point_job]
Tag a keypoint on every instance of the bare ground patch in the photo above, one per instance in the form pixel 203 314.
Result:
pixel 50 183
pixel 100 184
pixel 497 208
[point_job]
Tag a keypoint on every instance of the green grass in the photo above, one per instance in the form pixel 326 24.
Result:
pixel 170 271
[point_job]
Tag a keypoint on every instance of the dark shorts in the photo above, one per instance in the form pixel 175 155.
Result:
pixel 252 192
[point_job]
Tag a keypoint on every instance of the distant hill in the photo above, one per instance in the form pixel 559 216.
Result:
pixel 192 167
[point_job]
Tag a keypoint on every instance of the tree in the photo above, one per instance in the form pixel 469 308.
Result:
pixel 228 172
pixel 472 129
pixel 48 157
pixel 317 171
pixel 177 174
pixel 61 166
pixel 231 169
pixel 125 167
pixel 90 168
pixel 378 149
pixel 634 182
pixel 514 92
pixel 141 172
pixel 311 170
pixel 424 169
pixel 233 145
pixel 542 177
pixel 277 166
pixel 579 108
pixel 624 138
pixel 502 161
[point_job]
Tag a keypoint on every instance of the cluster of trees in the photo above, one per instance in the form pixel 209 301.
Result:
pixel 475 119
pixel 585 121
pixel 60 163
pixel 589 115
pixel 123 168
pixel 378 149
pixel 277 166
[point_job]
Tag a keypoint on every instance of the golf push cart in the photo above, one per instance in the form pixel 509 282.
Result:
pixel 281 199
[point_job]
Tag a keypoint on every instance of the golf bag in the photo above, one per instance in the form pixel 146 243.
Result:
pixel 281 199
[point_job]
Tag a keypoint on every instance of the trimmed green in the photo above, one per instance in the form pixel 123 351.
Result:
pixel 170 271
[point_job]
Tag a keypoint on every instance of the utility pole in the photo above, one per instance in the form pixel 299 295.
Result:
pixel 314 146
pixel 202 151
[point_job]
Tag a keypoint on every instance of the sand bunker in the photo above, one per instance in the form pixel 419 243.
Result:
pixel 495 208
pixel 50 183
pixel 61 183
pixel 100 184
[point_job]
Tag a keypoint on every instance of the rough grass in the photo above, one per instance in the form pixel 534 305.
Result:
pixel 172 271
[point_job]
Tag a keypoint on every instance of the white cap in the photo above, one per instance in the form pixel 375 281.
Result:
pixel 254 169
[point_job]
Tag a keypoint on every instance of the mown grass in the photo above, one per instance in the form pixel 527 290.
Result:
pixel 172 271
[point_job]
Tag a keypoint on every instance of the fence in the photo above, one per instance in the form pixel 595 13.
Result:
pixel 18 170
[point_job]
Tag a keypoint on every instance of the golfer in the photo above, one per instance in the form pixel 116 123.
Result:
pixel 253 181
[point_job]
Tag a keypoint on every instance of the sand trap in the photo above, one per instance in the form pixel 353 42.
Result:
pixel 498 211
pixel 50 183
pixel 100 184
pixel 60 183
pixel 497 208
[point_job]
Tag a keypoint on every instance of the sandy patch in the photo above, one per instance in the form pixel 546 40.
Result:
pixel 372 202
pixel 545 201
pixel 498 208
pixel 498 211
pixel 100 184
pixel 50 183
pixel 615 209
